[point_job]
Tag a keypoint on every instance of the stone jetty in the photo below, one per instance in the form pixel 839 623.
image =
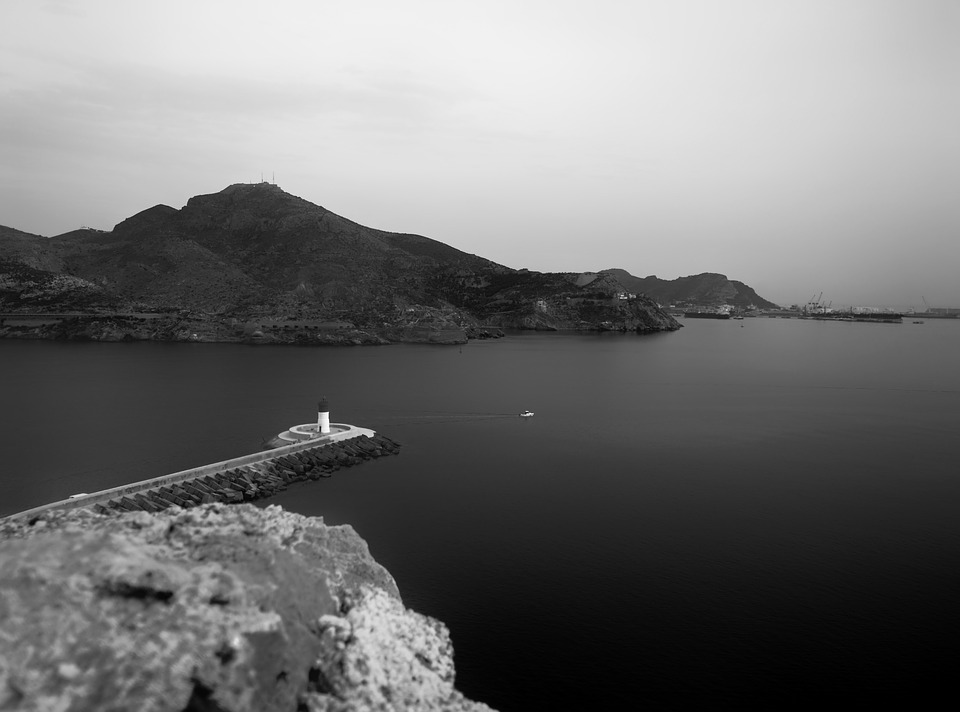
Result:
pixel 243 479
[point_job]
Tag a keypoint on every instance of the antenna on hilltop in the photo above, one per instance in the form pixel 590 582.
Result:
pixel 273 177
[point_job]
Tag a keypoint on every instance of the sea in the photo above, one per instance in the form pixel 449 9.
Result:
pixel 762 512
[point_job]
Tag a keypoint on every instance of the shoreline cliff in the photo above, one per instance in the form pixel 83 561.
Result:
pixel 215 608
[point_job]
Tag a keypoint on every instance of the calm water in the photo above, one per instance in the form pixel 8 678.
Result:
pixel 741 511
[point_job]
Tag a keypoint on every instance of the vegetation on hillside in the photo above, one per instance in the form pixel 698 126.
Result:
pixel 253 253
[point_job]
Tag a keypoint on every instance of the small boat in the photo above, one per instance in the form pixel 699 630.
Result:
pixel 526 414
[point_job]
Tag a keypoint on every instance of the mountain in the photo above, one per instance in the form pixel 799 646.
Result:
pixel 707 289
pixel 255 263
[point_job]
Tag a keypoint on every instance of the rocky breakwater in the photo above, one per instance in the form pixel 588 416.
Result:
pixel 218 608
pixel 250 482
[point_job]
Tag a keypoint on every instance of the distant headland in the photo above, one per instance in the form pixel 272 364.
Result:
pixel 255 264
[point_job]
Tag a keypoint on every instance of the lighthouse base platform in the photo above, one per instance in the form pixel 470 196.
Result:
pixel 310 432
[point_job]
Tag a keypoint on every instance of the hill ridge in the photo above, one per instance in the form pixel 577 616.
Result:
pixel 704 289
pixel 252 261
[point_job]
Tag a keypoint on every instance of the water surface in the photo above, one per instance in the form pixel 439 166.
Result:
pixel 740 511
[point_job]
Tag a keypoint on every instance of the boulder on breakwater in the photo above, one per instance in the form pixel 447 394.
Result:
pixel 214 608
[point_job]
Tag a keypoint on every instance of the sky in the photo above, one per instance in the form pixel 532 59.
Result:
pixel 799 146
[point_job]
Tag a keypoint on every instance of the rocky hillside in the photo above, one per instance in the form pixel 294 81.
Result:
pixel 707 289
pixel 212 609
pixel 255 259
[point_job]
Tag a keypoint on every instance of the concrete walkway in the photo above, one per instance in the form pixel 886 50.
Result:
pixel 259 471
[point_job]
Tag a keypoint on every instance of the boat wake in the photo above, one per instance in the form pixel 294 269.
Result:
pixel 434 418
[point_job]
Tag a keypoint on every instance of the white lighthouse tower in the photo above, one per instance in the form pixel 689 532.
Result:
pixel 323 416
pixel 322 432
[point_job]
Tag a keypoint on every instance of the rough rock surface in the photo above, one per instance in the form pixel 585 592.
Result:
pixel 705 289
pixel 216 608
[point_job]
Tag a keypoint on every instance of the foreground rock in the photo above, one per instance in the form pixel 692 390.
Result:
pixel 216 608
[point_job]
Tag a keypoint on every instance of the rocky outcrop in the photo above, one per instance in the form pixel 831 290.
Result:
pixel 706 289
pixel 427 335
pixel 481 333
pixel 596 312
pixel 541 301
pixel 216 608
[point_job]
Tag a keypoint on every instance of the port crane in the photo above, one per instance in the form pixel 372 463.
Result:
pixel 813 304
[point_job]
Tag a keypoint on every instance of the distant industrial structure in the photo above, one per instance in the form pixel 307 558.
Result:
pixel 940 313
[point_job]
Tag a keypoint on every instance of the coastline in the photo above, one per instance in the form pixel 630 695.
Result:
pixel 195 328
pixel 201 328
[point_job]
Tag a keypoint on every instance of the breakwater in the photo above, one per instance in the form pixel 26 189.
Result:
pixel 241 479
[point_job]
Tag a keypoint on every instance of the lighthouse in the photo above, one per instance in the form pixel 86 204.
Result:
pixel 321 432
pixel 323 416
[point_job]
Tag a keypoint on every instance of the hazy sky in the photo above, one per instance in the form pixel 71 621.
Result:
pixel 797 145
